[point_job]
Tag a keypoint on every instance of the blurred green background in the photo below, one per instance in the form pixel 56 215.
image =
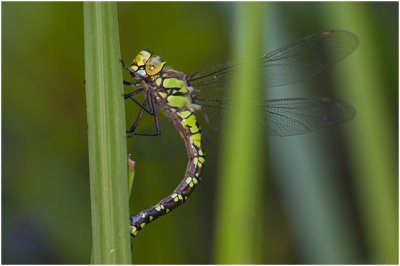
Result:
pixel 327 197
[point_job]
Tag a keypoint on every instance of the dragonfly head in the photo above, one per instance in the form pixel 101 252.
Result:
pixel 145 64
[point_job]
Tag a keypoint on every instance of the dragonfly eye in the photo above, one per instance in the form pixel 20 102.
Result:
pixel 154 65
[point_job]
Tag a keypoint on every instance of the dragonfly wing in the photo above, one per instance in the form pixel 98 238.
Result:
pixel 285 117
pixel 293 116
pixel 290 64
pixel 213 80
pixel 213 109
pixel 307 57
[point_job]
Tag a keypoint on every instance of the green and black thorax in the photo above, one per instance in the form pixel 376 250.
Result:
pixel 169 88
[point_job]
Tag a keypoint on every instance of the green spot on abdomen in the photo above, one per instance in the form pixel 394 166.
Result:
pixel 184 114
pixel 159 207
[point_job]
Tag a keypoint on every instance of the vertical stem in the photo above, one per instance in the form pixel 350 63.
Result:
pixel 106 135
pixel 239 190
pixel 373 135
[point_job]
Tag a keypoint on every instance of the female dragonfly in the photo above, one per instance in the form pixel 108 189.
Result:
pixel 180 96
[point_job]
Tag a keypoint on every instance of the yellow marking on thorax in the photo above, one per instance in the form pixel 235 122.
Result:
pixel 163 94
pixel 174 83
pixel 177 101
pixel 158 81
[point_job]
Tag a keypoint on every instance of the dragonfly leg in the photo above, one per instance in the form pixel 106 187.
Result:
pixel 126 67
pixel 152 112
pixel 130 95
pixel 136 123
pixel 132 83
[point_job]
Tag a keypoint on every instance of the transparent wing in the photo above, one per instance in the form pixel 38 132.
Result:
pixel 289 64
pixel 293 116
pixel 286 117
pixel 213 109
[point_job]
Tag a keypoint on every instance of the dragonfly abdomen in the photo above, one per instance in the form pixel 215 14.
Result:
pixel 186 123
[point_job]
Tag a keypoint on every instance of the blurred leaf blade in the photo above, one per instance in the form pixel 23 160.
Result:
pixel 239 185
pixel 308 175
pixel 371 136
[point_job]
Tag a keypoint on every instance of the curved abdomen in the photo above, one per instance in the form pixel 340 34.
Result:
pixel 186 123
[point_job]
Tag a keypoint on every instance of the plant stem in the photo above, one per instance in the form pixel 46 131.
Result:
pixel 240 181
pixel 106 135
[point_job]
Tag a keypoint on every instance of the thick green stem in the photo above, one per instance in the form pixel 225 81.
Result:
pixel 106 135
pixel 239 190
pixel 373 136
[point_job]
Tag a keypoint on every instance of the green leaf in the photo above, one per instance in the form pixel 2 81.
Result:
pixel 106 135
pixel 238 219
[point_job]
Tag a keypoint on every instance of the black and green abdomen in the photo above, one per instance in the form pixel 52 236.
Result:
pixel 172 94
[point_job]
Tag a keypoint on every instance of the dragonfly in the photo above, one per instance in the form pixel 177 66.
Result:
pixel 180 97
